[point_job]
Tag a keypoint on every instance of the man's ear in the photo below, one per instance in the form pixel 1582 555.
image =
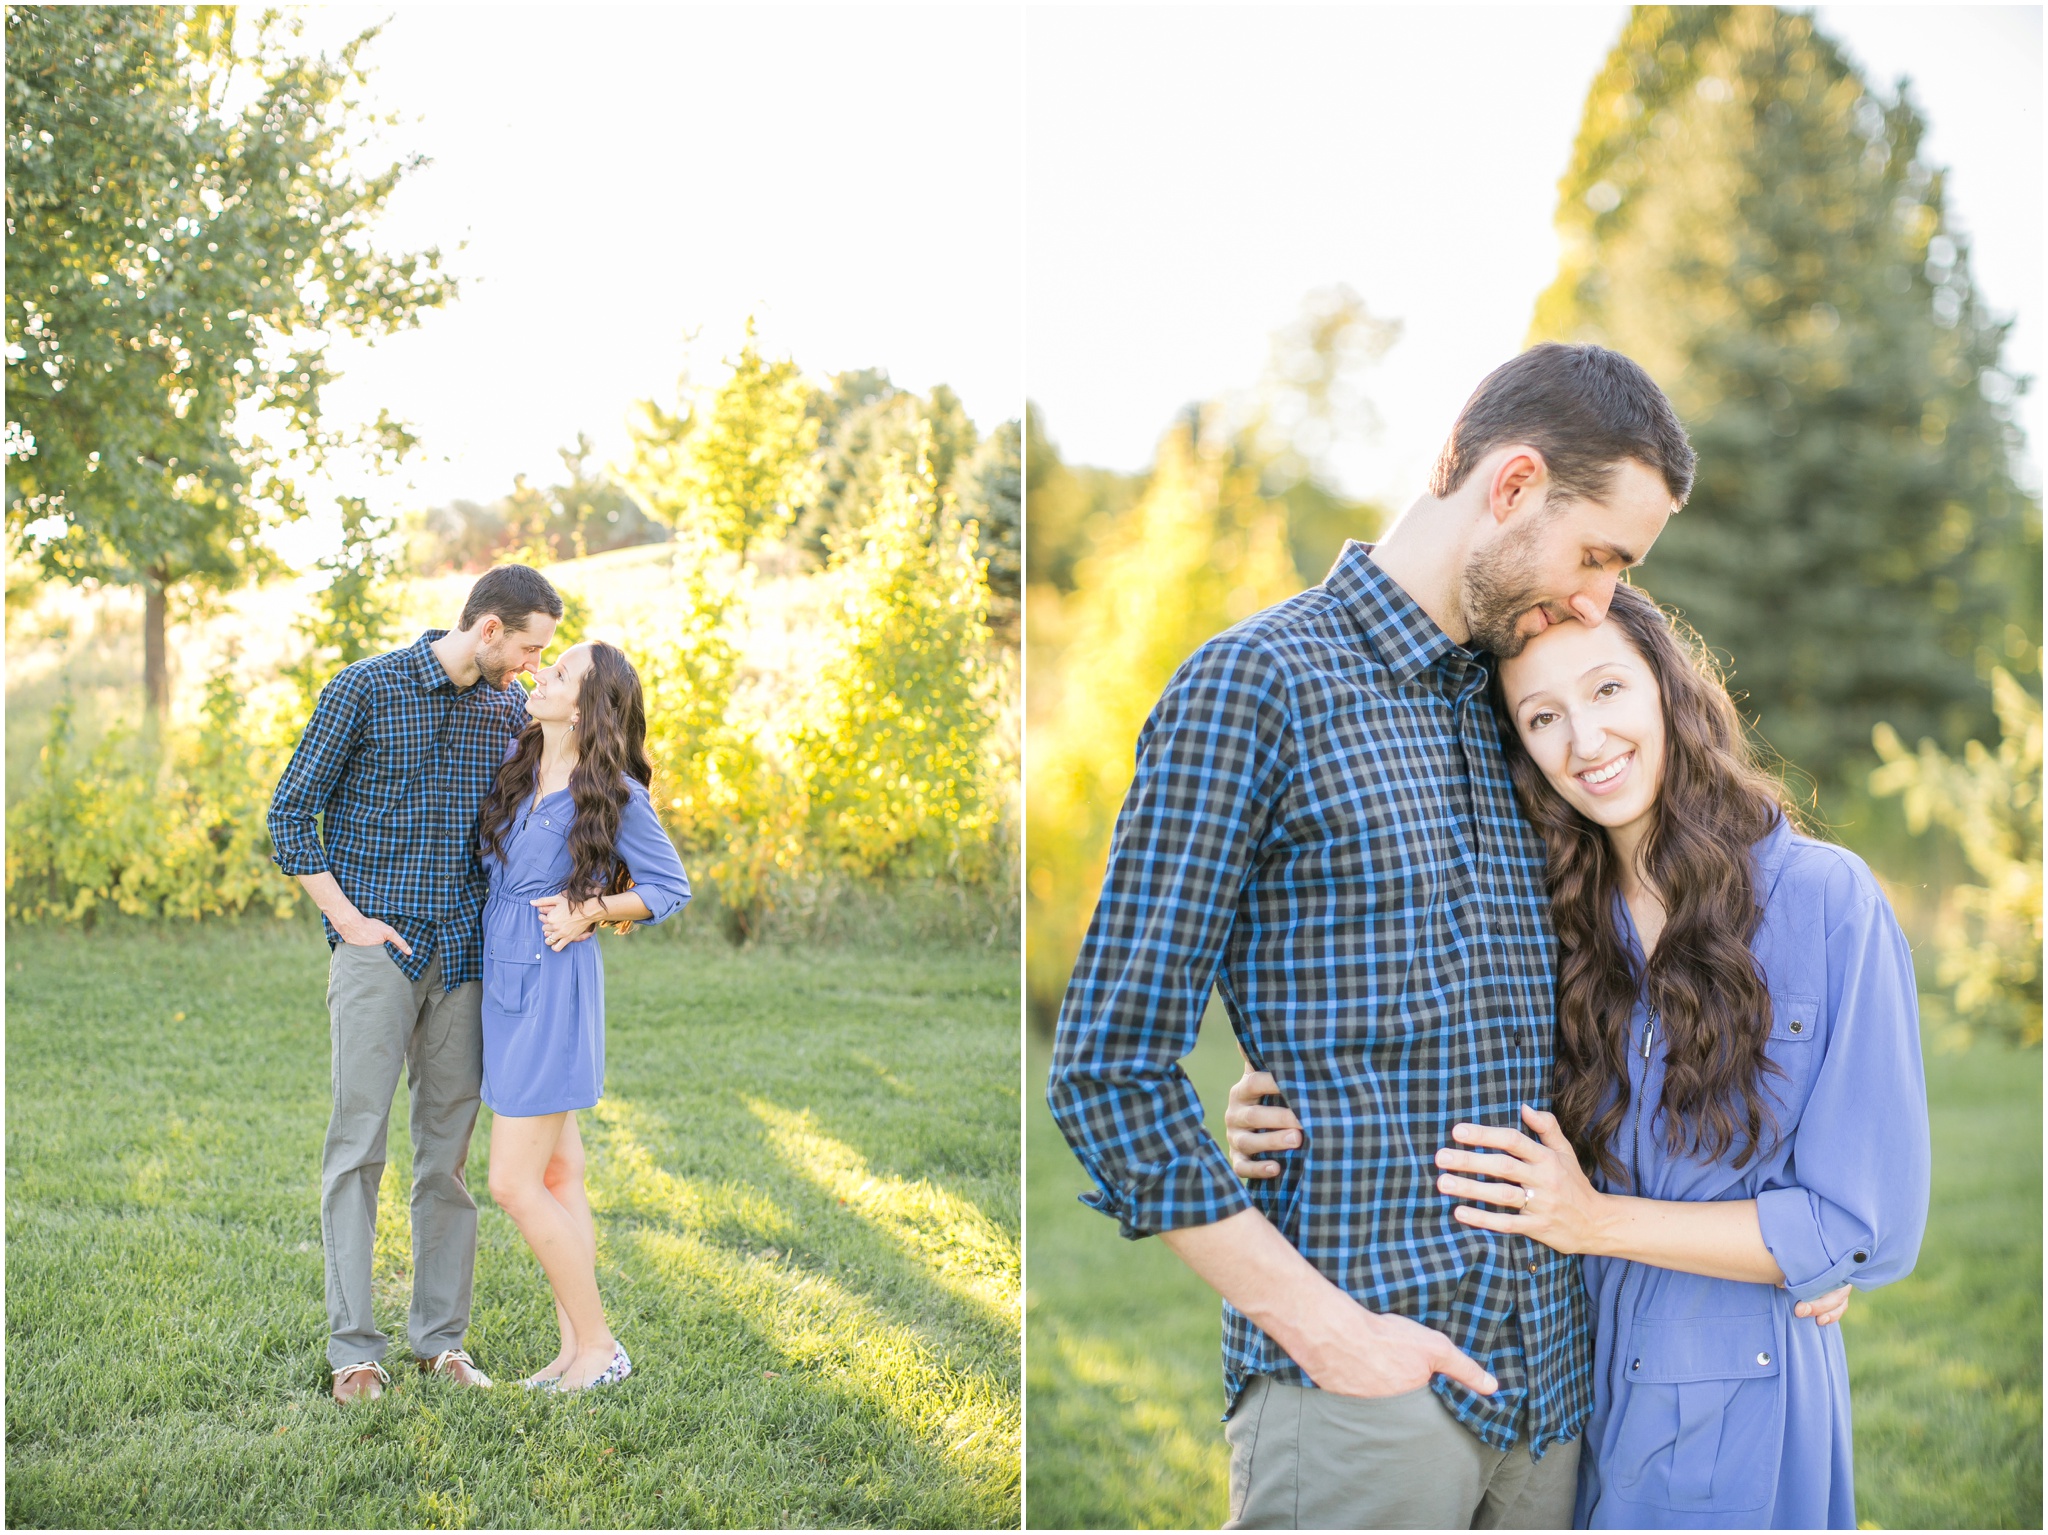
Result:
pixel 488 628
pixel 1520 482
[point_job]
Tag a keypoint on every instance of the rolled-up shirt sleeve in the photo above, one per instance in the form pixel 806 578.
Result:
pixel 315 771
pixel 1861 1162
pixel 650 858
pixel 1212 760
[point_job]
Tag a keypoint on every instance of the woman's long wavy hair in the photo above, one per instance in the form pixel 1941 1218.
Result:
pixel 611 746
pixel 1711 1004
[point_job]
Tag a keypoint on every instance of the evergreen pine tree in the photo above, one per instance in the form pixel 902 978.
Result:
pixel 989 487
pixel 1749 220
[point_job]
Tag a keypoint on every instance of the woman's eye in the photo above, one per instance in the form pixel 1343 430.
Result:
pixel 1606 689
pixel 1538 721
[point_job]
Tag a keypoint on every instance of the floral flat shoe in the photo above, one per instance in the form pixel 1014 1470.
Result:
pixel 616 1371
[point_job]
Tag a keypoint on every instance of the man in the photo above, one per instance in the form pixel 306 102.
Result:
pixel 1321 826
pixel 376 815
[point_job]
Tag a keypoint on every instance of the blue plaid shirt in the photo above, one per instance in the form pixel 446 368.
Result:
pixel 1322 828
pixel 390 774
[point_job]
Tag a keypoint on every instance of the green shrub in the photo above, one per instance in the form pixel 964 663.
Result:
pixel 170 828
pixel 895 745
pixel 730 807
pixel 1987 935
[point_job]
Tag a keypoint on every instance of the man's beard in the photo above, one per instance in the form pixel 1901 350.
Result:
pixel 497 667
pixel 1496 590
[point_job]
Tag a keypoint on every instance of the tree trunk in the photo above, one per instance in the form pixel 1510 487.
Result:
pixel 156 675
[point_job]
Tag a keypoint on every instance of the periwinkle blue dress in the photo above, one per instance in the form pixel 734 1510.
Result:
pixel 1714 1407
pixel 543 1010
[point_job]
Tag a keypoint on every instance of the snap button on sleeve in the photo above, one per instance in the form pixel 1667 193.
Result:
pixel 1763 1358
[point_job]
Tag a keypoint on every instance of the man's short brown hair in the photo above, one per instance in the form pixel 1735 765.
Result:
pixel 1584 408
pixel 511 594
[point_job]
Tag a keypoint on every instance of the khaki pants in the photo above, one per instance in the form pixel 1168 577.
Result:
pixel 382 1022
pixel 1302 1459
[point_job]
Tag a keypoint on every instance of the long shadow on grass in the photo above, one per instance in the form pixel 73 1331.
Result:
pixel 926 1260
pixel 910 1061
pixel 881 1297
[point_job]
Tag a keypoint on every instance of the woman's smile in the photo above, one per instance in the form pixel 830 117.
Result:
pixel 1607 777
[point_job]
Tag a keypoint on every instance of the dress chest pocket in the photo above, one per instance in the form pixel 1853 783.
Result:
pixel 1702 1416
pixel 543 851
pixel 1793 1047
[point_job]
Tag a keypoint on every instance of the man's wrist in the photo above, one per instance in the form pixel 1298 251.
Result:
pixel 1310 1334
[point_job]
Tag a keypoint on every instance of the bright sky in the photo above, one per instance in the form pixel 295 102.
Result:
pixel 1194 171
pixel 1112 205
pixel 624 176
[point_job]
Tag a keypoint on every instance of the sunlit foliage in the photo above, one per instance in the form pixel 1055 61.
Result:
pixel 1200 550
pixel 1071 506
pixel 894 749
pixel 1987 935
pixel 725 799
pixel 882 762
pixel 740 472
pixel 355 614
pixel 148 826
pixel 865 424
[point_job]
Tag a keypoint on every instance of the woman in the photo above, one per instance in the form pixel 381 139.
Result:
pixel 571 842
pixel 1738 1067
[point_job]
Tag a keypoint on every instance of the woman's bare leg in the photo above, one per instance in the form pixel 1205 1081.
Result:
pixel 521 1149
pixel 564 1179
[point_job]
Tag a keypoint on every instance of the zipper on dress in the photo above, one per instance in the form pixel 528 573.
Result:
pixel 1635 1129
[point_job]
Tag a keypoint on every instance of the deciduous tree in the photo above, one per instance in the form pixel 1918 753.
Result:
pixel 188 224
pixel 737 466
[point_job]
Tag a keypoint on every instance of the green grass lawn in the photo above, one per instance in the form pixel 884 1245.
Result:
pixel 1124 1383
pixel 805 1175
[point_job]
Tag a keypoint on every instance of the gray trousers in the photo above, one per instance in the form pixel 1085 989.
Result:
pixel 381 1021
pixel 1302 1459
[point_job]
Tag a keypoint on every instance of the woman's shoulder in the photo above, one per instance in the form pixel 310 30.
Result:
pixel 1824 874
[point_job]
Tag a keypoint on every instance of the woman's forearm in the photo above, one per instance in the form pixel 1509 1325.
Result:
pixel 623 907
pixel 1721 1239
